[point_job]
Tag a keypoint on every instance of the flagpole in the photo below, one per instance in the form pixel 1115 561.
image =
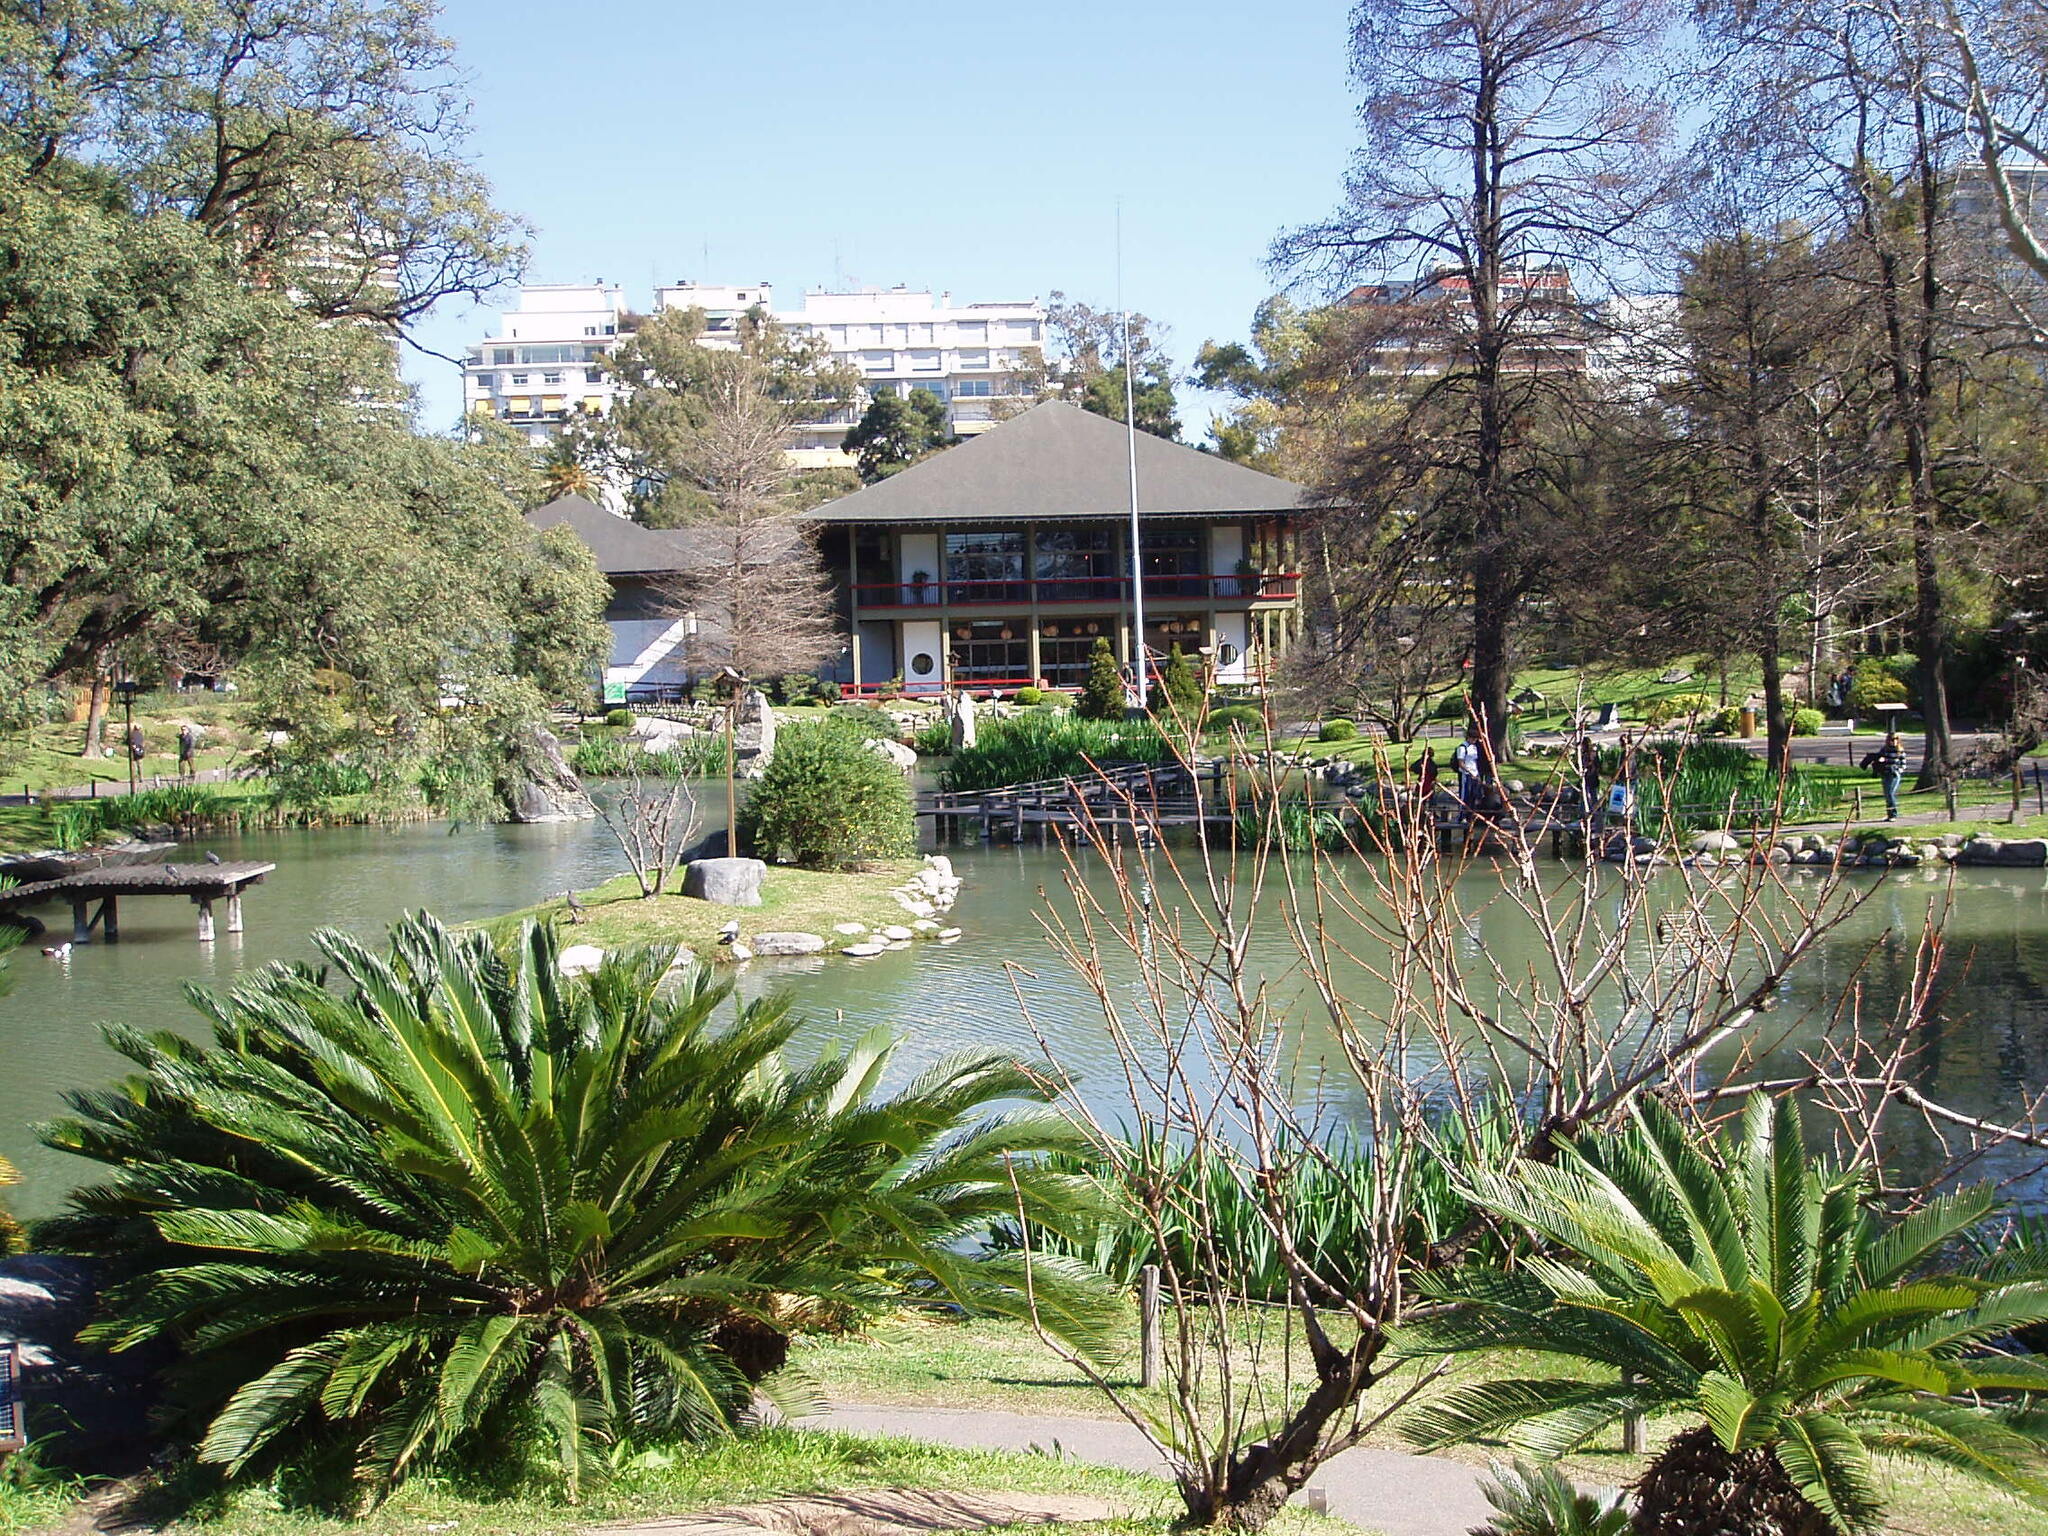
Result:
pixel 1131 450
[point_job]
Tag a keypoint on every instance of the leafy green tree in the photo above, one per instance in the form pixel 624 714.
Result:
pixel 827 800
pixel 1758 1292
pixel 1102 693
pixel 1084 364
pixel 896 431
pixel 446 1202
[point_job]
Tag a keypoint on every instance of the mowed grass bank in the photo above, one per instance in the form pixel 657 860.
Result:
pixel 616 916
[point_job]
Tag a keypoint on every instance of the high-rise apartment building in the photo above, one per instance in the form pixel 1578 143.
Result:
pixel 977 358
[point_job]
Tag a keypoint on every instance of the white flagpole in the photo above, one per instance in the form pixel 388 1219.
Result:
pixel 1138 670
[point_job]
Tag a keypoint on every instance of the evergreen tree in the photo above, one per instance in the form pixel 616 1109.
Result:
pixel 1102 696
pixel 895 432
pixel 1178 696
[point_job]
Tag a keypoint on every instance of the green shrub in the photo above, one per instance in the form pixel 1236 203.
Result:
pixel 1102 695
pixel 188 807
pixel 1050 744
pixel 606 1232
pixel 1807 722
pixel 1337 730
pixel 1027 696
pixel 801 688
pixel 1241 718
pixel 1676 706
pixel 12 1238
pixel 1873 683
pixel 618 719
pixel 873 723
pixel 1451 706
pixel 829 801
pixel 933 740
pixel 1725 721
pixel 1537 1499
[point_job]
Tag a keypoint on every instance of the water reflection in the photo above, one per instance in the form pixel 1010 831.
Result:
pixel 1984 1054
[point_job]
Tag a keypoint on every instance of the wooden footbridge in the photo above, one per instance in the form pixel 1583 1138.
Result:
pixel 202 884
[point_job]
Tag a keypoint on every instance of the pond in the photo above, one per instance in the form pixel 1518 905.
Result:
pixel 1990 1054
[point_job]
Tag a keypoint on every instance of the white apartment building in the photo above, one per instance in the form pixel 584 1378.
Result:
pixel 977 358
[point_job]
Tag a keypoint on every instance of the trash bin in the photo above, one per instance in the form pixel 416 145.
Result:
pixel 1748 719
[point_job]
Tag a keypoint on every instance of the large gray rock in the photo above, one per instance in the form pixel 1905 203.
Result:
pixel 540 785
pixel 787 944
pixel 729 882
pixel 2017 853
pixel 905 758
pixel 1713 842
pixel 753 738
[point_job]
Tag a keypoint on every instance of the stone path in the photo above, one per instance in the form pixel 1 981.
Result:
pixel 1390 1491
pixel 875 1512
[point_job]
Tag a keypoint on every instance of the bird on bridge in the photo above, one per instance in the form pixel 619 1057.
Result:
pixel 212 857
pixel 730 933
pixel 171 870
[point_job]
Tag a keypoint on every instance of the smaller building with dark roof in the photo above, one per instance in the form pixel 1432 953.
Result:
pixel 650 624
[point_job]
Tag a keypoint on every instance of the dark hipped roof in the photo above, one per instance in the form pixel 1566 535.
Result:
pixel 622 546
pixel 1059 461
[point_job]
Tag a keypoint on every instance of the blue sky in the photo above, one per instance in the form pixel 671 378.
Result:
pixel 979 149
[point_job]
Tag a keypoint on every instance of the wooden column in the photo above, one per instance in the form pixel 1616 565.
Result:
pixel 205 918
pixel 109 920
pixel 234 911
pixel 81 928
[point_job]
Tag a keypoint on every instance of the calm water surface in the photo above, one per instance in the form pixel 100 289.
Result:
pixel 1990 1053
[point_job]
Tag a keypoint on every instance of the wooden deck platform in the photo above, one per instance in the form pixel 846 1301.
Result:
pixel 203 884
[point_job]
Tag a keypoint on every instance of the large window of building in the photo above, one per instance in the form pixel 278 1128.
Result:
pixel 1064 646
pixel 1077 565
pixel 986 567
pixel 968 389
pixel 992 651
pixel 1172 563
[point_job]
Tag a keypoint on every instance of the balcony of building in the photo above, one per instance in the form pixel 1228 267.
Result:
pixel 954 595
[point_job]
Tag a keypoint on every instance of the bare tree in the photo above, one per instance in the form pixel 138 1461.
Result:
pixel 1288 1259
pixel 653 824
pixel 710 427
pixel 1503 144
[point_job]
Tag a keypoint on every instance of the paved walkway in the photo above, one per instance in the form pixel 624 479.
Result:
pixel 1391 1491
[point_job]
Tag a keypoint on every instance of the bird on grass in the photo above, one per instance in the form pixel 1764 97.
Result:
pixel 573 906
pixel 730 933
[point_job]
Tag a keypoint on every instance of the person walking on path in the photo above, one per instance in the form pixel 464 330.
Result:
pixel 1889 762
pixel 188 751
pixel 1425 778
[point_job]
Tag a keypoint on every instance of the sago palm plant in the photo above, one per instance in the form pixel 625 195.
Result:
pixel 1740 1283
pixel 451 1202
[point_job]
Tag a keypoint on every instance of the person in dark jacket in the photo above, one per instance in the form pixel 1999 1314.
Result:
pixel 1889 763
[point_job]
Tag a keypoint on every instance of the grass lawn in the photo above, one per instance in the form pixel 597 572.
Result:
pixel 1000 1364
pixel 50 756
pixel 799 900
pixel 765 1464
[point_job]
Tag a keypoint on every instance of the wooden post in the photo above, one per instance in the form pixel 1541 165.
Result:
pixel 1856 811
pixel 1632 1426
pixel 2019 786
pixel 81 928
pixel 109 920
pixel 205 918
pixel 1148 1326
pixel 234 911
pixel 2040 796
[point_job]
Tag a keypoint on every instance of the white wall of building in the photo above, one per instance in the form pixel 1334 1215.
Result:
pixel 542 367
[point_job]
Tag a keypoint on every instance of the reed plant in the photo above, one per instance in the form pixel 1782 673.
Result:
pixel 188 807
pixel 1298 824
pixel 620 757
pixel 1029 748
pixel 1697 786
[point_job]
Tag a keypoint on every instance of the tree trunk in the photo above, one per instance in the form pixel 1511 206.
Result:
pixel 97 696
pixel 1777 719
pixel 1696 1487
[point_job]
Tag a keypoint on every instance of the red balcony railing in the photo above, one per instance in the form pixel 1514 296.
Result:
pixel 1050 591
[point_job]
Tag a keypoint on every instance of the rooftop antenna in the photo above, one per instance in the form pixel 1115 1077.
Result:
pixel 1137 698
